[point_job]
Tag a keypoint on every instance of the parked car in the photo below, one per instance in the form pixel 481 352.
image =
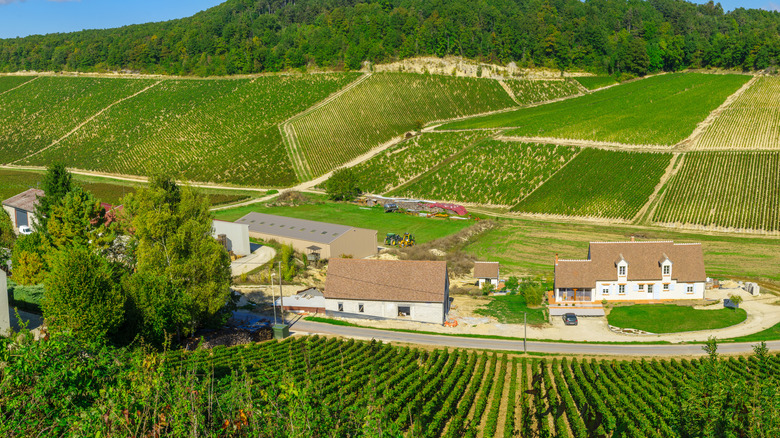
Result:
pixel 570 319
pixel 391 208
pixel 24 229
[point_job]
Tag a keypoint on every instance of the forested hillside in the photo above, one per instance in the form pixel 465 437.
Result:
pixel 251 36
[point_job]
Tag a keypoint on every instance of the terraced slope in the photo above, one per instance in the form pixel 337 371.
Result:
pixel 492 172
pixel 738 190
pixel 749 123
pixel 528 91
pixel 205 130
pixel 10 82
pixel 599 183
pixel 34 116
pixel 661 110
pixel 384 106
pixel 412 158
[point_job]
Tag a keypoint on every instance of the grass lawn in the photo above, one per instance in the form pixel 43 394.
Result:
pixel 669 318
pixel 508 309
pixel 424 229
pixel 770 334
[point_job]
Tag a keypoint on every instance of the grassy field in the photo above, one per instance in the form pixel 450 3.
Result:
pixel 669 318
pixel 738 190
pixel 412 158
pixel 13 182
pixel 43 111
pixel 595 82
pixel 662 110
pixel 528 91
pixel 424 229
pixel 508 309
pixel 219 130
pixel 492 172
pixel 748 123
pixel 387 105
pixel 599 183
pixel 528 247
pixel 9 82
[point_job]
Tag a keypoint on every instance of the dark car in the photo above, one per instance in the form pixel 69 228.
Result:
pixel 570 319
pixel 391 208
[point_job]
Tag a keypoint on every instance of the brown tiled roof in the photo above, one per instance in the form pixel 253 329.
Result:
pixel 485 269
pixel 386 280
pixel 26 200
pixel 644 263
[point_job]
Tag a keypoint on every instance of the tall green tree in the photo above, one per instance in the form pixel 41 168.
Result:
pixel 343 185
pixel 78 219
pixel 174 251
pixel 57 182
pixel 29 259
pixel 83 294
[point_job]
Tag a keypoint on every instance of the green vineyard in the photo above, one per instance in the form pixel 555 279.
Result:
pixel 202 130
pixel 384 106
pixel 351 385
pixel 748 123
pixel 661 110
pixel 599 183
pixel 412 158
pixel 492 172
pixel 10 82
pixel 725 189
pixel 529 91
pixel 36 115
pixel 595 82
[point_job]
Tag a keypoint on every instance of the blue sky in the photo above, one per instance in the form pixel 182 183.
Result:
pixel 29 17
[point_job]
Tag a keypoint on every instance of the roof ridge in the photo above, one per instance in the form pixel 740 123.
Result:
pixel 575 260
pixel 641 241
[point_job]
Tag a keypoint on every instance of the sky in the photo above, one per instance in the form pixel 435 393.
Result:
pixel 30 17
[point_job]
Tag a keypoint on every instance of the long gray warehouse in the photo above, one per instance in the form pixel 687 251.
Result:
pixel 327 240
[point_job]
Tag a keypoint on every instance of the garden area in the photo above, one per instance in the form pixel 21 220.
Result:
pixel 670 318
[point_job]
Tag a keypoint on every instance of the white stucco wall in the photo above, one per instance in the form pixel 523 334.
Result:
pixel 423 312
pixel 677 291
pixel 237 236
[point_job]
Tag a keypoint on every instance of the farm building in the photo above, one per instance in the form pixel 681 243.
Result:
pixel 21 207
pixel 388 289
pixel 632 271
pixel 235 237
pixel 332 240
pixel 487 272
pixel 309 300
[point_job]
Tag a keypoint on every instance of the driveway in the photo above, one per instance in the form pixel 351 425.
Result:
pixel 258 258
pixel 302 326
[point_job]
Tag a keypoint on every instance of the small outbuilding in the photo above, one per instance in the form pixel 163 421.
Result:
pixel 235 237
pixel 21 208
pixel 388 289
pixel 311 237
pixel 487 272
pixel 309 300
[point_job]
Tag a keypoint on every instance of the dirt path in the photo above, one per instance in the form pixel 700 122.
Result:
pixel 693 139
pixel 509 91
pixel 670 171
pixel 290 138
pixel 18 86
pixel 80 125
pixel 588 143
pixel 550 177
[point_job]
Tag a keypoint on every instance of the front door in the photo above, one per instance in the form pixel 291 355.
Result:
pixel 21 218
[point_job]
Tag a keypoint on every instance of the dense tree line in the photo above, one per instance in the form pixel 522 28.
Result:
pixel 251 36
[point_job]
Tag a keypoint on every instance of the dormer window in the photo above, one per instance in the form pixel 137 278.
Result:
pixel 667 270
pixel 622 271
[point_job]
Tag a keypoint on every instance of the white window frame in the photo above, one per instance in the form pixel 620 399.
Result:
pixel 649 288
pixel 667 270
pixel 340 307
pixel 621 271
pixel 605 290
pixel 361 308
pixel 689 289
pixel 666 287
pixel 641 288
pixel 621 289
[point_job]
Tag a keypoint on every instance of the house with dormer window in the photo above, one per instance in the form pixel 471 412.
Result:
pixel 632 271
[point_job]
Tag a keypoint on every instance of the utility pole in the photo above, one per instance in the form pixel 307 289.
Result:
pixel 273 298
pixel 281 294
pixel 525 331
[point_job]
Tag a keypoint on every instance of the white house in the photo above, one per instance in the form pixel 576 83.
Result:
pixel 487 272
pixel 388 289
pixel 632 271
pixel 21 208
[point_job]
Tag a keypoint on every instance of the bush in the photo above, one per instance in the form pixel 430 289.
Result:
pixel 736 299
pixel 26 297
pixel 343 185
pixel 533 292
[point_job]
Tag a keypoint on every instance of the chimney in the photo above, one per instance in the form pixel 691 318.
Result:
pixel 556 259
pixel 632 237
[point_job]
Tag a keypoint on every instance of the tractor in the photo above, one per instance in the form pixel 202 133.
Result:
pixel 396 240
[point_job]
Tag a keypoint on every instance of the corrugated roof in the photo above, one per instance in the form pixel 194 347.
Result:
pixel 26 200
pixel 313 231
pixel 644 263
pixel 386 280
pixel 486 269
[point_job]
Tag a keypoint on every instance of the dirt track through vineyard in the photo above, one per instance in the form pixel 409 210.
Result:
pixel 18 86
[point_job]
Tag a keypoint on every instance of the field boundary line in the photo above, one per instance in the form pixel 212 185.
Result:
pixel 548 178
pixel 692 140
pixel 588 143
pixel 290 137
pixel 81 125
pixel 20 85
pixel 439 166
pixel 508 91
pixel 716 228
pixel 670 171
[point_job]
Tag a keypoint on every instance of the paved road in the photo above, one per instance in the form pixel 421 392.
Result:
pixel 533 346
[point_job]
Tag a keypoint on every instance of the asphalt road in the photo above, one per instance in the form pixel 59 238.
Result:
pixel 533 346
